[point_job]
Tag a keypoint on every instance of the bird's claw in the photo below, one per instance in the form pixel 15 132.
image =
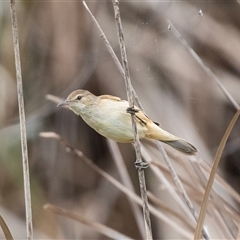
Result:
pixel 141 165
pixel 132 110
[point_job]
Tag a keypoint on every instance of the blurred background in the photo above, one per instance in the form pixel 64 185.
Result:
pixel 61 51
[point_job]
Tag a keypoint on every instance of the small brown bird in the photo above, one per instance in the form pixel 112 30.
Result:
pixel 109 117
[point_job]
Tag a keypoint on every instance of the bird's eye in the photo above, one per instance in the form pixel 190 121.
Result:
pixel 79 97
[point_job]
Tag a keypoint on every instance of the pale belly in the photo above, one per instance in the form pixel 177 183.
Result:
pixel 113 122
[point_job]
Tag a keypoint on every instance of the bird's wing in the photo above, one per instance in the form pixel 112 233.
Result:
pixel 110 97
pixel 144 118
pixel 154 131
pixel 141 116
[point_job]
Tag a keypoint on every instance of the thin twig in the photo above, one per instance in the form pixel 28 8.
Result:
pixel 212 175
pixel 130 96
pixel 54 99
pixel 238 234
pixel 5 229
pixel 224 221
pixel 108 45
pixel 180 187
pixel 27 190
pixel 177 182
pixel 98 227
pixel 122 169
pixel 116 183
pixel 163 207
pixel 112 53
pixel 118 64
pixel 206 69
pixel 173 172
pixel 232 192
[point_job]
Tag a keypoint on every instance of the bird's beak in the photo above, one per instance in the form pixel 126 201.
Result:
pixel 63 104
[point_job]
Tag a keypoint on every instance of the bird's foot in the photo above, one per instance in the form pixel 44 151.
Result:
pixel 141 165
pixel 132 110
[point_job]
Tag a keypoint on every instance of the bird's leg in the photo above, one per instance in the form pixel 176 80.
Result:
pixel 138 165
pixel 142 121
pixel 141 165
pixel 132 110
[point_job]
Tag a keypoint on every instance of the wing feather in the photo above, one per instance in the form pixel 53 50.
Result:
pixel 110 97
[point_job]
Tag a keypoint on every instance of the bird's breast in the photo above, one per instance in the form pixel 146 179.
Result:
pixel 111 120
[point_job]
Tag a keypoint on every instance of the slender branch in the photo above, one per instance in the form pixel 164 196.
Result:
pixel 206 69
pixel 168 163
pixel 123 54
pixel 108 45
pixel 122 169
pixel 174 212
pixel 98 227
pixel 212 175
pixel 112 53
pixel 188 205
pixel 116 183
pixel 130 96
pixel 180 187
pixel 234 103
pixel 27 190
pixel 5 229
pixel 225 223
pixel 238 234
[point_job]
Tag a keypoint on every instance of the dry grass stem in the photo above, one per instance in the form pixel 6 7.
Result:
pixel 182 178
pixel 98 227
pixel 112 53
pixel 238 234
pixel 235 195
pixel 54 99
pixel 117 184
pixel 131 103
pixel 224 222
pixel 212 176
pixel 235 104
pixel 162 178
pixel 180 187
pixel 206 69
pixel 27 191
pixel 129 89
pixel 5 229
pixel 108 45
pixel 169 210
pixel 122 169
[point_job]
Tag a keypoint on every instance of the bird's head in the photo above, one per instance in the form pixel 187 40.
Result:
pixel 78 100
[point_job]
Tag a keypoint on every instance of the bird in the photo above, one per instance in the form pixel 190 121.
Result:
pixel 109 116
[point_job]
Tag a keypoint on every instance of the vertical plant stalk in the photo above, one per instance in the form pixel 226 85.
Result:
pixel 126 180
pixel 168 163
pixel 27 191
pixel 181 188
pixel 112 53
pixel 130 96
pixel 212 175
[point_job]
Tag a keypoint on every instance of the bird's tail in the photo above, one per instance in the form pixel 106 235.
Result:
pixel 182 146
pixel 155 132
